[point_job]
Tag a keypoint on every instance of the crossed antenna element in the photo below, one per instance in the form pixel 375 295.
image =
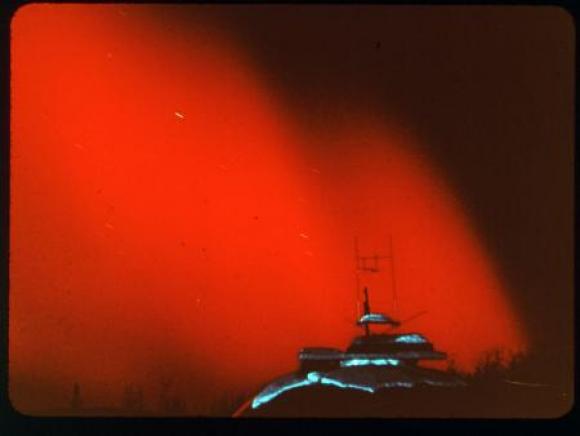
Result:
pixel 370 264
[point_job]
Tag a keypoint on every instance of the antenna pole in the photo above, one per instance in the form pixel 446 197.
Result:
pixel 367 307
pixel 367 302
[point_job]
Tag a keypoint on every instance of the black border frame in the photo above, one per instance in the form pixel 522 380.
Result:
pixel 17 423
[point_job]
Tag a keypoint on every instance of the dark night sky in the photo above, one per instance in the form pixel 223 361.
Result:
pixel 491 92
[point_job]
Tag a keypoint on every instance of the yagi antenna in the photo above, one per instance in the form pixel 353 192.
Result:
pixel 370 264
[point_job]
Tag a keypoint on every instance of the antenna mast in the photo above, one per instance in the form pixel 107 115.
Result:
pixel 370 264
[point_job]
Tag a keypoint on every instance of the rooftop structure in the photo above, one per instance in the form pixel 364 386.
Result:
pixel 372 362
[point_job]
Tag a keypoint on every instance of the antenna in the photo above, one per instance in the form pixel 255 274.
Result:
pixel 367 308
pixel 370 264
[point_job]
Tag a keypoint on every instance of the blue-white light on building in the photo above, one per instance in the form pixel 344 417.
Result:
pixel 413 338
pixel 369 362
pixel 315 377
pixel 374 317
pixel 270 394
pixel 341 385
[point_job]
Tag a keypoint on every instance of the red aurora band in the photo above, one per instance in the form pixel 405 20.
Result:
pixel 172 220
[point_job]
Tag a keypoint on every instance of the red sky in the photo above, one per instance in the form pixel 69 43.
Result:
pixel 170 218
